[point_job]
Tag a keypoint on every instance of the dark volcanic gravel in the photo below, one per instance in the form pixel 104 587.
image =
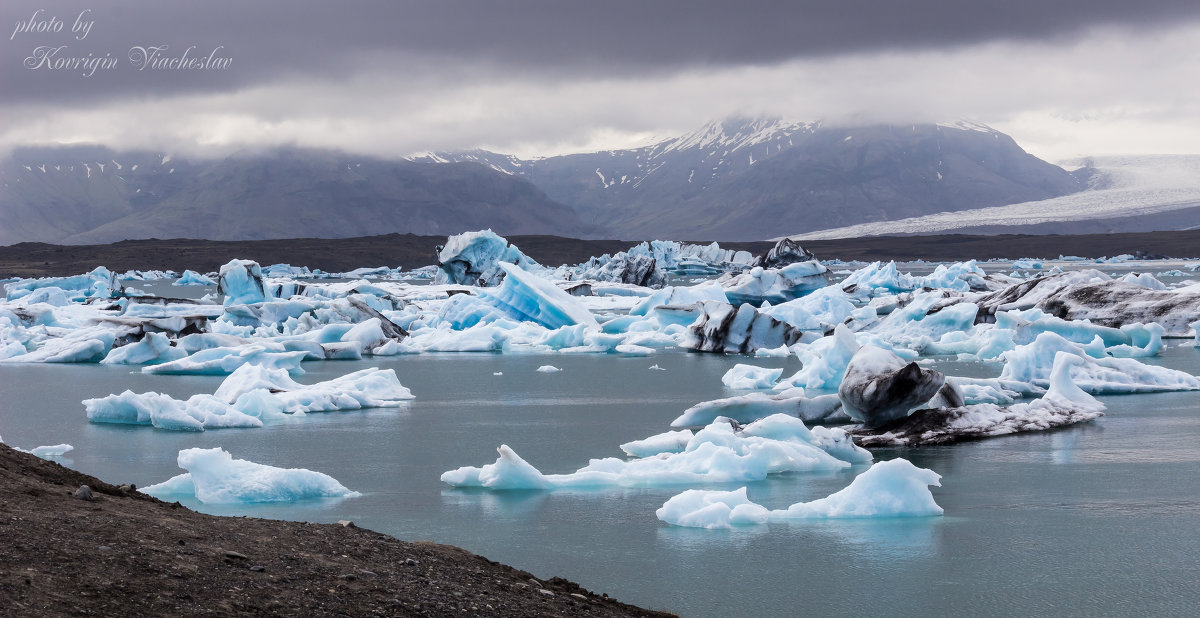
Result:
pixel 126 554
pixel 410 251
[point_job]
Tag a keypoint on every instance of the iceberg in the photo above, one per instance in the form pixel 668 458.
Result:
pixel 548 369
pixel 893 488
pixel 472 258
pixel 241 282
pixel 749 377
pixel 191 277
pixel 785 252
pixel 641 270
pixel 528 298
pixel 215 477
pixel 716 453
pixel 198 413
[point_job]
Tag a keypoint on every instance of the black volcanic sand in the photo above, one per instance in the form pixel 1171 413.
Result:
pixel 411 251
pixel 127 554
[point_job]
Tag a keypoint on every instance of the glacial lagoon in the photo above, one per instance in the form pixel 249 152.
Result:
pixel 1093 519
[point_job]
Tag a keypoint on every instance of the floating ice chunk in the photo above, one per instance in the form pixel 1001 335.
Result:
pixel 749 377
pixel 894 488
pixel 215 477
pixel 669 442
pixel 754 406
pixel 164 412
pixel 698 508
pixel 497 373
pixel 655 367
pixel 241 282
pixel 472 258
pixel 223 361
pixel 154 348
pixel 367 388
pixel 55 450
pixel 633 350
pixel 1033 363
pixel 780 352
pixel 191 277
pixel 714 454
pixel 509 472
pixel 548 369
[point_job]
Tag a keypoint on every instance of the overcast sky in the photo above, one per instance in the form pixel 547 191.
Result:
pixel 1065 78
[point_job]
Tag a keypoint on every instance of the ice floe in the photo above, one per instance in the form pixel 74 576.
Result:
pixel 716 453
pixel 893 488
pixel 214 477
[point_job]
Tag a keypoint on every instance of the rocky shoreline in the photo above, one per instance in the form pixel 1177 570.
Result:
pixel 124 553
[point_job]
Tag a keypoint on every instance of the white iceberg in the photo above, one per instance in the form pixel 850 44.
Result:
pixel 215 477
pixel 191 277
pixel 749 377
pixel 893 488
pixel 154 348
pixel 714 454
pixel 241 282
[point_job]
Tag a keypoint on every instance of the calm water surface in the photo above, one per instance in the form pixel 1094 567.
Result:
pixel 1098 519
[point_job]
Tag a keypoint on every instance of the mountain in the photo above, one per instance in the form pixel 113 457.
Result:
pixel 78 195
pixel 743 179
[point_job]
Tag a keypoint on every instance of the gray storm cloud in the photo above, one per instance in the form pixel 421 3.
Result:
pixel 541 76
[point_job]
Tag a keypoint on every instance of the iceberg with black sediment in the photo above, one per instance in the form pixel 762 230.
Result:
pixel 1064 403
pixel 214 477
pixel 893 488
pixel 721 327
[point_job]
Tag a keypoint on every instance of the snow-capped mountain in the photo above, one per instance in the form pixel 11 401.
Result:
pixel 745 178
pixel 95 195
